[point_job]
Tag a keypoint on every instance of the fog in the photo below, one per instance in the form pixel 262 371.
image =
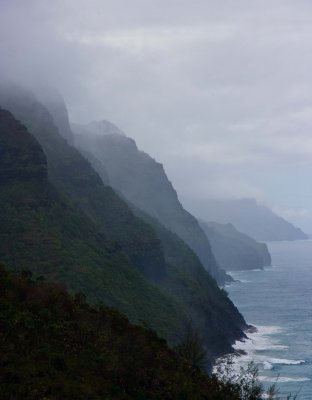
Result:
pixel 218 91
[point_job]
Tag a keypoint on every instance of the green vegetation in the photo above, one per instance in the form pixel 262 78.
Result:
pixel 192 348
pixel 205 303
pixel 54 346
pixel 73 176
pixel 80 233
pixel 57 347
pixel 247 383
pixel 41 232
pixel 143 182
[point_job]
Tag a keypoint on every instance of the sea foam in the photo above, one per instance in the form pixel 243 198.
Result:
pixel 263 339
pixel 283 379
pixel 285 361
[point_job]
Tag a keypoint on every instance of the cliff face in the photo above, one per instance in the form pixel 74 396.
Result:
pixel 53 239
pixel 79 236
pixel 22 161
pixel 235 250
pixel 255 220
pixel 204 301
pixel 144 183
pixel 54 102
pixel 73 175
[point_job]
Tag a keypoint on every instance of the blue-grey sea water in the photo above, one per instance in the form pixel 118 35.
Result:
pixel 278 301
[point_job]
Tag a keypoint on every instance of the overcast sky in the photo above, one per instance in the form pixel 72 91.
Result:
pixel 218 91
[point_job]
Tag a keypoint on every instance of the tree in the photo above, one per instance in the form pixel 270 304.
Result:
pixel 192 348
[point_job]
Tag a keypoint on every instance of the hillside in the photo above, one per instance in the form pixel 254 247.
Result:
pixel 74 177
pixel 143 181
pixel 201 297
pixel 41 232
pixel 53 346
pixel 62 243
pixel 249 217
pixel 235 250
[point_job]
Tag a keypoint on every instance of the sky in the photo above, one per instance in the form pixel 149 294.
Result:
pixel 219 91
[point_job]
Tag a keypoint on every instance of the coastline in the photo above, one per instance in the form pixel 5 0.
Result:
pixel 270 301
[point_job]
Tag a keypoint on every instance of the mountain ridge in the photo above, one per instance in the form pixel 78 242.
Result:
pixel 235 250
pixel 143 181
pixel 81 243
pixel 51 239
pixel 73 175
pixel 249 217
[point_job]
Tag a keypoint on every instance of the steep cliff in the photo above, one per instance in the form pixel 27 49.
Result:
pixel 143 181
pixel 73 175
pixel 66 240
pixel 54 102
pixel 235 250
pixel 205 303
pixel 40 231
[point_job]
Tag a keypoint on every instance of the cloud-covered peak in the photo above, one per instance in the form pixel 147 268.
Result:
pixel 104 127
pixel 219 92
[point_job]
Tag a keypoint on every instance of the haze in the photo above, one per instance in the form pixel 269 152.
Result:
pixel 218 91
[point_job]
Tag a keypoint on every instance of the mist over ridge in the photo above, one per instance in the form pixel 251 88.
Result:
pixel 227 112
pixel 156 159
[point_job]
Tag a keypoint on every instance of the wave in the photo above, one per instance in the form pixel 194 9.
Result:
pixel 260 340
pixel 259 346
pixel 254 349
pixel 267 365
pixel 283 379
pixel 269 329
pixel 283 361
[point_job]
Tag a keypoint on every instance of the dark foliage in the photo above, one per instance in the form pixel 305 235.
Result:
pixel 192 348
pixel 53 346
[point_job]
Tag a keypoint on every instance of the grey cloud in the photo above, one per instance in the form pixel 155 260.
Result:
pixel 219 91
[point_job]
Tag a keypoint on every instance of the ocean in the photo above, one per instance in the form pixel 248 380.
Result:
pixel 278 302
